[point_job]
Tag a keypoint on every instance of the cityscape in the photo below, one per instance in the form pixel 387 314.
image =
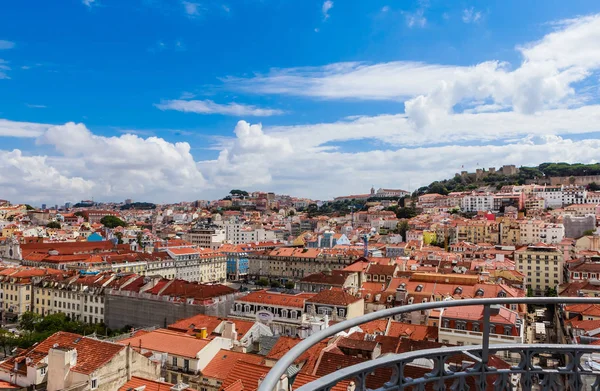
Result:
pixel 315 195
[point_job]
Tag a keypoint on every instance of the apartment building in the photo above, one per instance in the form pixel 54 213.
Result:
pixel 66 361
pixel 463 326
pixel 206 237
pixel 284 313
pixel 16 290
pixel 542 265
pixel 477 231
pixel 536 231
pixel 201 265
pixel 295 263
pixel 80 297
pixel 179 355
pixel 239 233
pixel 477 202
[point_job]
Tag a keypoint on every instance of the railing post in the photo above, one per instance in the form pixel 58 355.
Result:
pixel 486 335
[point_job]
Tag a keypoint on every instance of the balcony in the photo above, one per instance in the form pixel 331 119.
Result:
pixel 571 368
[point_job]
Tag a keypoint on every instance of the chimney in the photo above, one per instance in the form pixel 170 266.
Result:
pixel 129 353
pixel 60 362
pixel 203 333
pixel 229 331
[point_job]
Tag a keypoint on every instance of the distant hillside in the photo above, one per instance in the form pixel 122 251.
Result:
pixel 495 180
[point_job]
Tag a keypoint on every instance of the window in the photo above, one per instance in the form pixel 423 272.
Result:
pixel 43 370
pixel 94 384
pixel 174 361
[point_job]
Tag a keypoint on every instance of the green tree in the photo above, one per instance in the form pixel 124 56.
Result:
pixel 54 225
pixel 262 282
pixel 589 232
pixel 119 237
pixel 593 186
pixel 291 213
pixel 29 207
pixel 403 227
pixel 29 320
pixel 112 222
pixel 139 238
pixel 275 284
pixel 290 285
pixel 7 340
pixel 238 192
pixel 551 292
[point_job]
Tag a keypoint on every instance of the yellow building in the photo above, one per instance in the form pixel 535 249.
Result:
pixel 477 231
pixel 542 266
pixel 16 290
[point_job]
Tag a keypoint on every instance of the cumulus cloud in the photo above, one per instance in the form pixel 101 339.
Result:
pixel 210 107
pixel 118 166
pixel 294 160
pixel 6 44
pixel 31 177
pixel 546 78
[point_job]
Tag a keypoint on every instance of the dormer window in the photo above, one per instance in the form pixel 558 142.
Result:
pixel 458 290
pixel 419 288
pixel 501 294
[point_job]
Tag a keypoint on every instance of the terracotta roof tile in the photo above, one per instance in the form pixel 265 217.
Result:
pixel 167 341
pixel 224 361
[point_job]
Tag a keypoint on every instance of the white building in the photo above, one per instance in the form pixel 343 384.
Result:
pixel 477 202
pixel 197 265
pixel 237 233
pixel 536 231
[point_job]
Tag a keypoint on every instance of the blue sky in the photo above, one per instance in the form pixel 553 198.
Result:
pixel 323 89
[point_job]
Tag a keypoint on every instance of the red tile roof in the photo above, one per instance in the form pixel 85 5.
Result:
pixel 415 332
pixel 167 341
pixel 92 354
pixel 333 297
pixel 224 361
pixel 150 385
pixel 248 374
pixel 276 298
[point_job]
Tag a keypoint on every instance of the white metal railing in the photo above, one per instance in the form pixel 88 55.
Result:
pixel 572 376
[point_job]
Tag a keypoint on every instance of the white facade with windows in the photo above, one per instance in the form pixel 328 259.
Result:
pixel 477 202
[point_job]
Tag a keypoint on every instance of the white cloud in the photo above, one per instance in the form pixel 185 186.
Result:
pixel 191 9
pixel 416 19
pixel 546 78
pixel 384 81
pixel 118 166
pixel 470 15
pixel 89 3
pixel 21 129
pixel 290 160
pixel 327 6
pixel 31 106
pixel 325 173
pixel 210 107
pixel 226 8
pixel 3 68
pixel 6 44
pixel 33 179
pixel 385 8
